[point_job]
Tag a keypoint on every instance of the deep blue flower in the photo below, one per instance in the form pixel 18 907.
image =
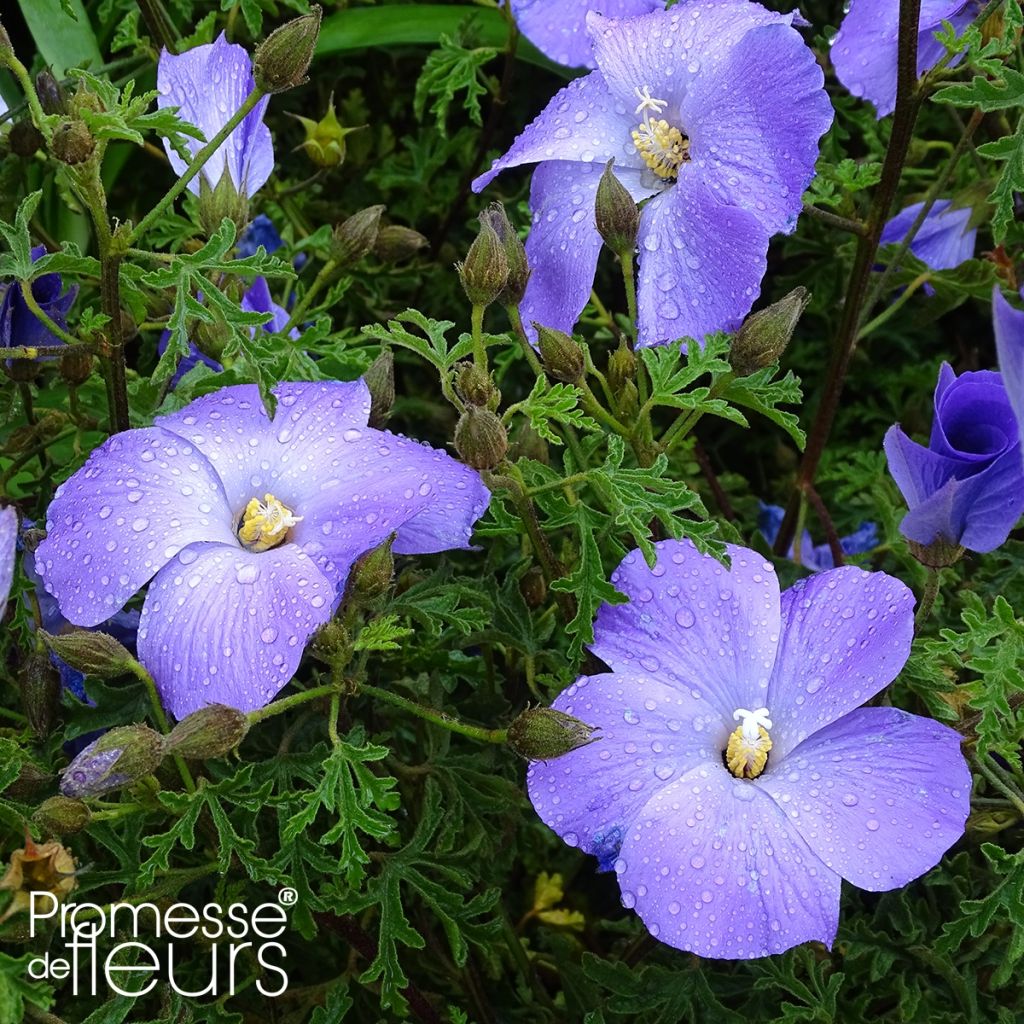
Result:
pixel 18 324
pixel 1008 324
pixel 945 238
pixel 261 231
pixel 816 556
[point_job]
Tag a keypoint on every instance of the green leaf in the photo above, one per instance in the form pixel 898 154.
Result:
pixel 382 634
pixel 674 372
pixel 435 347
pixel 762 394
pixel 18 992
pixel 834 183
pixel 18 262
pixel 1009 149
pixel 549 404
pixel 983 93
pixel 449 70
pixel 62 33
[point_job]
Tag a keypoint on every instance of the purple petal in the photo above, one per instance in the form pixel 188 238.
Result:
pixel 258 300
pixel 879 795
pixel 558 27
pixel 846 634
pixel 701 264
pixel 142 497
pixel 583 122
pixel 1008 325
pixel 714 867
pixel 209 83
pixel 702 628
pixel 944 239
pixel 8 548
pixel 651 733
pixel 225 625
pixel 756 147
pixel 973 419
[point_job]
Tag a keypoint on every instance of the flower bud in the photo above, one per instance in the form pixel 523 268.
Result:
pixel 324 143
pixel 212 731
pixel 355 237
pixel 61 816
pixel 515 254
pixel 118 758
pixel 474 384
pixel 380 379
pixel 94 654
pixel 372 572
pixel 396 243
pixel 765 334
pixel 51 94
pixel 224 201
pixel 533 587
pixel 333 643
pixel 72 143
pixel 283 58
pixel 940 554
pixel 25 139
pixel 31 779
pixel 617 215
pixel 621 367
pixel 43 867
pixel 563 357
pixel 480 438
pixel 6 49
pixel 542 734
pixel 75 366
pixel 40 692
pixel 484 273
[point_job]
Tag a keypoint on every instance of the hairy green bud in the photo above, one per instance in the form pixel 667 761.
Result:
pixel 283 58
pixel 542 734
pixel 480 438
pixel 212 731
pixel 765 334
pixel 95 654
pixel 118 758
pixel 484 273
pixel 515 254
pixel 396 243
pixel 61 816
pixel 373 572
pixel 563 357
pixel 355 237
pixel 621 367
pixel 40 692
pixel 474 384
pixel 380 379
pixel 72 143
pixel 223 201
pixel 617 215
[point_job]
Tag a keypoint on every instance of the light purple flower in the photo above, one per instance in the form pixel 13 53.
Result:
pixel 944 239
pixel 558 28
pixel 8 548
pixel 718 97
pixel 1008 325
pixel 966 487
pixel 706 659
pixel 865 48
pixel 247 529
pixel 209 83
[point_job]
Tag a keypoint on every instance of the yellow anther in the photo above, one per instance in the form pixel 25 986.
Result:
pixel 266 523
pixel 662 147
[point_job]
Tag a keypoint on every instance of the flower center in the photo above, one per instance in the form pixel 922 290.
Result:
pixel 265 524
pixel 660 145
pixel 747 751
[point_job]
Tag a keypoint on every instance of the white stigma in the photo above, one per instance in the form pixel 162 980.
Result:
pixel 752 721
pixel 648 102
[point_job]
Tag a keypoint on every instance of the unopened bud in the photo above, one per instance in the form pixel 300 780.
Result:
pixel 940 554
pixel 333 643
pixel 6 49
pixel 474 384
pixel 380 379
pixel 40 692
pixel 533 587
pixel 484 273
pixel 94 654
pixel 765 334
pixel 118 758
pixel 355 237
pixel 52 97
pixel 515 254
pixel 72 143
pixel 283 58
pixel 25 139
pixel 541 734
pixel 617 215
pixel 324 143
pixel 31 779
pixel 563 357
pixel 621 367
pixel 222 202
pixel 212 731
pixel 396 243
pixel 373 572
pixel 75 366
pixel 480 438
pixel 61 816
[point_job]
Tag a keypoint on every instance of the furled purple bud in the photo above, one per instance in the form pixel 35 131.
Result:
pixel 563 357
pixel 380 379
pixel 118 758
pixel 541 734
pixel 484 273
pixel 61 816
pixel 72 143
pixel 765 334
pixel 617 215
pixel 283 58
pixel 94 654
pixel 515 254
pixel 355 237
pixel 212 731
pixel 474 384
pixel 480 438
pixel 51 94
pixel 396 243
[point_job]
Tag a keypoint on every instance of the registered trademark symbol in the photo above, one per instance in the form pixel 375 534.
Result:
pixel 287 897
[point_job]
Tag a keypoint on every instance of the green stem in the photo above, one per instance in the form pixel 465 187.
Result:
pixel 34 351
pixel 895 307
pixel 517 325
pixel 20 72
pixel 855 227
pixel 928 595
pixel 477 328
pixel 629 281
pixel 196 166
pixel 569 481
pixel 161 720
pixel 279 707
pixel 685 422
pixel 589 402
pixel 435 717
pixel 43 317
pixel 319 282
pixel 1009 792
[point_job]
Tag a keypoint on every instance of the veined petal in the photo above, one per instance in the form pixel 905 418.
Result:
pixel 582 123
pixel 651 733
pixel 879 795
pixel 944 239
pixel 1008 324
pixel 258 299
pixel 713 866
pixel 754 125
pixel 142 497
pixel 846 634
pixel 701 264
pixel 8 548
pixel 704 629
pixel 225 625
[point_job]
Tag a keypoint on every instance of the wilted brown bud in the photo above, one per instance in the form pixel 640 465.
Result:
pixel 621 367
pixel 533 587
pixel 283 58
pixel 72 143
pixel 355 237
pixel 480 438
pixel 380 379
pixel 542 734
pixel 51 93
pixel 94 654
pixel 396 243
pixel 31 779
pixel 474 384
pixel 75 366
pixel 372 573
pixel 563 357
pixel 765 334
pixel 61 816
pixel 25 139
pixel 46 867
pixel 118 758
pixel 484 273
pixel 617 215
pixel 515 254
pixel 940 554
pixel 212 731
pixel 40 692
